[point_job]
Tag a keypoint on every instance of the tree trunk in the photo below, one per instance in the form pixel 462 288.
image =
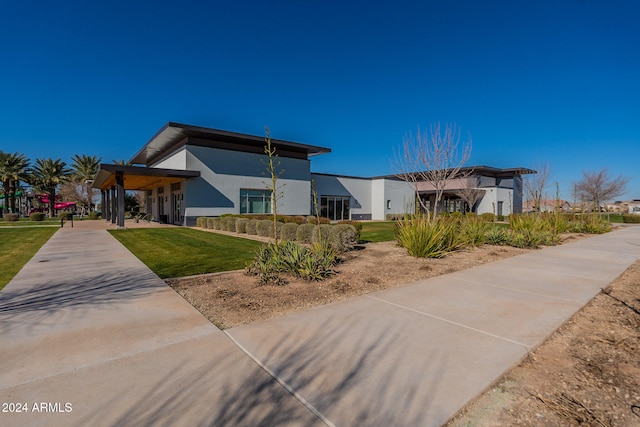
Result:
pixel 12 196
pixel 52 202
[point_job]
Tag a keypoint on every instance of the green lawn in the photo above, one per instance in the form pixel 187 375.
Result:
pixel 179 252
pixel 378 231
pixel 614 218
pixel 26 222
pixel 17 246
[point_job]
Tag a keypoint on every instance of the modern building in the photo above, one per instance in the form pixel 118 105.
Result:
pixel 188 171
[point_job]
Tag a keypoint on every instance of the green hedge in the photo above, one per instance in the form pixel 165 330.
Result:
pixel 304 233
pixel 37 216
pixel 342 236
pixel 631 219
pixel 252 227
pixel 11 217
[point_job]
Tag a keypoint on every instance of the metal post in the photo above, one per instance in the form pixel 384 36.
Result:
pixel 120 198
pixel 114 206
pixel 107 206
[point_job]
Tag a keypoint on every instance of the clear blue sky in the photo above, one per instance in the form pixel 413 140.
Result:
pixel 531 81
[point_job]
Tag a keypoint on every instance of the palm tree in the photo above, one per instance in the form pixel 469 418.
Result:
pixel 47 175
pixel 85 169
pixel 13 169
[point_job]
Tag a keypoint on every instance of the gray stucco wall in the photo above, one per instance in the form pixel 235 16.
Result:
pixel 358 189
pixel 225 172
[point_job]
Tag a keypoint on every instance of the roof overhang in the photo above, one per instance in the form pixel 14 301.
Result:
pixel 475 171
pixel 498 172
pixel 175 135
pixel 139 178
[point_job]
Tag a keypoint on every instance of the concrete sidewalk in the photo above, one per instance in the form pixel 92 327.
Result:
pixel 86 323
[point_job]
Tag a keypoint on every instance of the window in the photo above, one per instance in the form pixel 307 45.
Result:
pixel 255 201
pixel 334 207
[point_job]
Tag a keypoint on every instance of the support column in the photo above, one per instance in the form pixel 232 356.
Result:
pixel 106 214
pixel 114 206
pixel 120 198
pixel 103 200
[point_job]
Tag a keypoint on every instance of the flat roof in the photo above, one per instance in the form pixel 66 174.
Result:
pixel 484 170
pixel 481 170
pixel 174 135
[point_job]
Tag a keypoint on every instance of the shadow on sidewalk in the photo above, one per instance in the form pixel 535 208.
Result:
pixel 217 394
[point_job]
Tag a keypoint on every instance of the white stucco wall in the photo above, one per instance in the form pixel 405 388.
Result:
pixel 489 203
pixel 390 196
pixel 177 160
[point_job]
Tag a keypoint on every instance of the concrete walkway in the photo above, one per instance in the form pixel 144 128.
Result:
pixel 91 336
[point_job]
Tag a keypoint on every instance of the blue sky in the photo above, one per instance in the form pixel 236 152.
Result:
pixel 531 82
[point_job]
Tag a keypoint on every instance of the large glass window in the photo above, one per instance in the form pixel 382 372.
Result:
pixel 334 207
pixel 255 201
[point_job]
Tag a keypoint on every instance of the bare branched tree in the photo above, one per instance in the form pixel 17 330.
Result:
pixel 536 184
pixel 469 192
pixel 598 187
pixel 274 170
pixel 434 156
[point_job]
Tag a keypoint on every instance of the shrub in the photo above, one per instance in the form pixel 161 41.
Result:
pixel 241 225
pixel 550 239
pixel 592 224
pixel 343 237
pixel 497 236
pixel 542 223
pixel 526 238
pixel 217 223
pixel 356 224
pixel 228 223
pixel 531 231
pixel 304 233
pixel 11 217
pixel 93 215
pixel 321 233
pixel 201 222
pixel 428 239
pixel 595 224
pixel 299 219
pixel 210 222
pixel 631 219
pixel 473 230
pixel 291 258
pixel 319 265
pixel 313 220
pixel 251 227
pixel 37 216
pixel 488 217
pixel 65 215
pixel 289 231
pixel 264 228
pixel 456 215
pixel 500 218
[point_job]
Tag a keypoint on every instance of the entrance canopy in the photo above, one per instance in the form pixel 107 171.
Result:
pixel 113 180
pixel 139 178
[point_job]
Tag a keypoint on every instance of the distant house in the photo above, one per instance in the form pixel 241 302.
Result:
pixel 624 207
pixel 547 205
pixel 189 171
